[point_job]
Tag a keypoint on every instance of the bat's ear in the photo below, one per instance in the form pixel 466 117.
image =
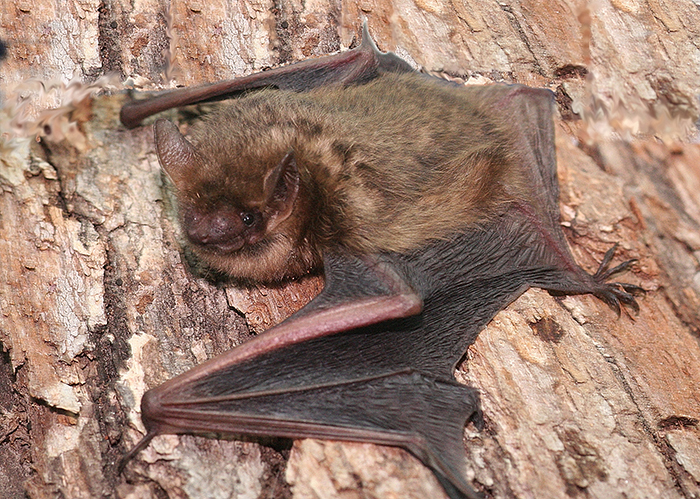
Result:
pixel 176 155
pixel 281 189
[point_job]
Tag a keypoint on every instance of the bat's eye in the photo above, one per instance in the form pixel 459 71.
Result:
pixel 248 219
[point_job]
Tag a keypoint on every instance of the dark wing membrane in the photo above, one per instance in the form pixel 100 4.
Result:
pixel 536 216
pixel 346 367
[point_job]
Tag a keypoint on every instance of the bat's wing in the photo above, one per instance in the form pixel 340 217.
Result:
pixel 359 65
pixel 538 214
pixel 534 219
pixel 341 368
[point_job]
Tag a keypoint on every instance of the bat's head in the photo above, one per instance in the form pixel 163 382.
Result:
pixel 239 214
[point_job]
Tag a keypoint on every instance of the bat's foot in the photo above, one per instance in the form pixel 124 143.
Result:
pixel 615 293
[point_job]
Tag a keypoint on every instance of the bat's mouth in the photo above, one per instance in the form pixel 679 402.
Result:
pixel 222 247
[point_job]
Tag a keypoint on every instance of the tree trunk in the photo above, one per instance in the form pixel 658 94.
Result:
pixel 99 301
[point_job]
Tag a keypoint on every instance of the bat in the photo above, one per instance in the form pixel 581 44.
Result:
pixel 430 206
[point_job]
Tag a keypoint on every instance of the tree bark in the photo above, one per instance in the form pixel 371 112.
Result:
pixel 100 301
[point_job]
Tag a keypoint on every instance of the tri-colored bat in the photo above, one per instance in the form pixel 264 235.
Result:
pixel 430 207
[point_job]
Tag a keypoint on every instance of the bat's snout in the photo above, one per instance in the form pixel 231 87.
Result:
pixel 222 230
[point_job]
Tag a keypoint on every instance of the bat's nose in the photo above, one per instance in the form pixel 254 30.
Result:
pixel 221 230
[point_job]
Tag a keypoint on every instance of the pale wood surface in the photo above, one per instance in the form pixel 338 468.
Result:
pixel 98 302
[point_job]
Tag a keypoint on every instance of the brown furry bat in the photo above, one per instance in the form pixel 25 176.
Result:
pixel 430 207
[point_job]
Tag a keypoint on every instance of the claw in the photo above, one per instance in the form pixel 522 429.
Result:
pixel 632 289
pixel 612 302
pixel 619 268
pixel 605 262
pixel 627 299
pixel 615 294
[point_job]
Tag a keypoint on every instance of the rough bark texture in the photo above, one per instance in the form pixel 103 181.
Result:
pixel 98 300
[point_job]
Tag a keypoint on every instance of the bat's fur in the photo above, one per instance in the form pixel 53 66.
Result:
pixel 431 207
pixel 380 170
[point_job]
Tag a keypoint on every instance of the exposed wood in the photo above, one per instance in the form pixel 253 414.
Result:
pixel 98 301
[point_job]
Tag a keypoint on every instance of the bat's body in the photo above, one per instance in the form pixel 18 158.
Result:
pixel 380 176
pixel 430 206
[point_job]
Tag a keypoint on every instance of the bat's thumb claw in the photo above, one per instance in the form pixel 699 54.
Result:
pixel 143 443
